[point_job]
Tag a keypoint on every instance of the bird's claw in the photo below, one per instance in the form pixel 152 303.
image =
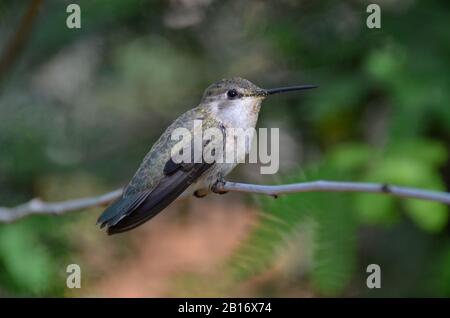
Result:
pixel 217 185
pixel 201 193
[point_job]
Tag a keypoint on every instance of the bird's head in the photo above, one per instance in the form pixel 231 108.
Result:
pixel 241 92
pixel 237 96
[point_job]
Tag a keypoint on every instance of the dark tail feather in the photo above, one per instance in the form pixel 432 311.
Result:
pixel 120 208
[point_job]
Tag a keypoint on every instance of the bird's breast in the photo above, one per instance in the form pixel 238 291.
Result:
pixel 240 115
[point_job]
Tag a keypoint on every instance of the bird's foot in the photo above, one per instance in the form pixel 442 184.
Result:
pixel 217 185
pixel 200 193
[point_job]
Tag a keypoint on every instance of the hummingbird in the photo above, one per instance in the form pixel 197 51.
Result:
pixel 228 103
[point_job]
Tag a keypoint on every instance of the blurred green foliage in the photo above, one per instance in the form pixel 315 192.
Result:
pixel 336 217
pixel 79 109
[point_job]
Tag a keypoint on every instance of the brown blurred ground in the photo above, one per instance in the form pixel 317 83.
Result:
pixel 194 238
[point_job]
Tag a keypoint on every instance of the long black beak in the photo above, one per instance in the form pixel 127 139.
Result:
pixel 288 89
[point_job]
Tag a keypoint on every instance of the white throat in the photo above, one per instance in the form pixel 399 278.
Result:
pixel 242 113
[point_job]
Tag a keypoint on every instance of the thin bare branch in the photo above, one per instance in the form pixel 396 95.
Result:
pixel 38 207
pixel 339 186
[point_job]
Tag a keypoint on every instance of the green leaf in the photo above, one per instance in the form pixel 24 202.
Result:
pixel 25 260
pixel 431 152
pixel 375 209
pixel 429 216
pixel 350 156
pixel 386 64
pixel 405 170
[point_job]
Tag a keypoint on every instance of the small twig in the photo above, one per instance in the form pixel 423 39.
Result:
pixel 36 206
pixel 18 39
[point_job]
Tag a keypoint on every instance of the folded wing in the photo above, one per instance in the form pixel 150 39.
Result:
pixel 132 210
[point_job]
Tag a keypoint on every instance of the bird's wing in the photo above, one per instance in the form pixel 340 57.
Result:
pixel 131 211
pixel 157 183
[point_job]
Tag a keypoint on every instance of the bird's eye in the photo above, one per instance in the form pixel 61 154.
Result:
pixel 232 93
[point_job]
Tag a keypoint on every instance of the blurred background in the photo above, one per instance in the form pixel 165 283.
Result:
pixel 80 108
